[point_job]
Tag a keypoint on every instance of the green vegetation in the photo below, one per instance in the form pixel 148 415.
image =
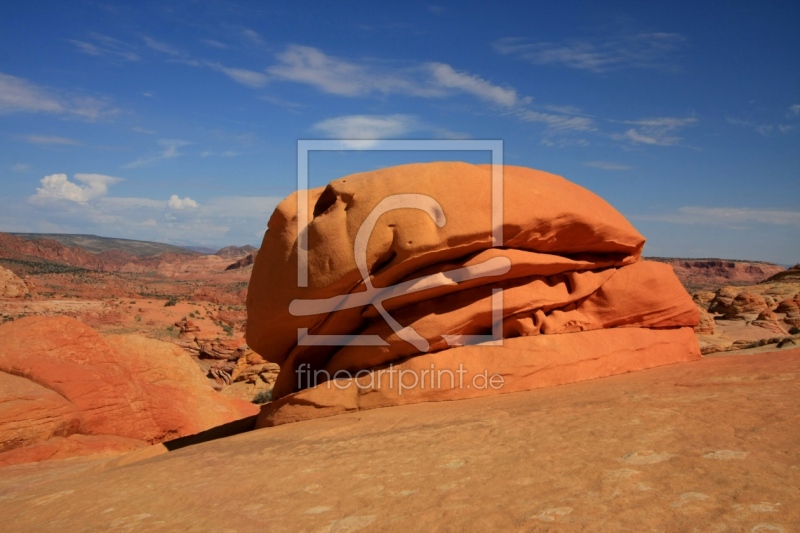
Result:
pixel 171 302
pixel 26 267
pixel 263 396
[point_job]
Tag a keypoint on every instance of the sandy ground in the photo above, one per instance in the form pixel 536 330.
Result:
pixel 712 445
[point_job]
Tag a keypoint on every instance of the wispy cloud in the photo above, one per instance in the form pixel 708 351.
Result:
pixel 108 47
pixel 250 78
pixel 659 131
pixel 363 131
pixel 767 130
pixel 20 95
pixel 226 153
pixel 48 139
pixel 281 102
pixel 733 217
pixel 794 110
pixel 58 187
pixel 162 47
pixel 640 50
pixel 214 44
pixel 169 150
pixel 252 37
pixel 557 123
pixel 139 129
pixel 332 75
pixel 606 165
pixel 310 66
pixel 445 76
pixel 21 167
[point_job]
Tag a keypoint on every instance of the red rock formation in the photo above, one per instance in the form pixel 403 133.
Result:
pixel 744 303
pixel 235 252
pixel 245 261
pixel 706 325
pixel 569 263
pixel 61 380
pixel 792 274
pixel 696 274
pixel 11 286
pixel 791 307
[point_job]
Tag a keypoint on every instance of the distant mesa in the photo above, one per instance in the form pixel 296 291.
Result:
pixel 703 274
pixel 94 244
pixel 56 252
pixel 245 261
pixel 792 274
pixel 578 302
pixel 232 252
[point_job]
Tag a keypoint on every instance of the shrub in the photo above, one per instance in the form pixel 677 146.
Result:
pixel 172 301
pixel 263 396
pixel 794 330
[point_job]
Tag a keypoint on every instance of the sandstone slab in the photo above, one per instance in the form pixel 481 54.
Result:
pixel 62 378
pixel 711 445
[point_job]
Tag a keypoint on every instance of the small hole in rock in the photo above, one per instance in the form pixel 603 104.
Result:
pixel 325 201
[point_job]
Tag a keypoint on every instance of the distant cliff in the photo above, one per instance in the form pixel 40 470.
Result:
pixel 700 274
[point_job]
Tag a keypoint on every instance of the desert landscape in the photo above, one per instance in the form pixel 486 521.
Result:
pixel 428 266
pixel 122 360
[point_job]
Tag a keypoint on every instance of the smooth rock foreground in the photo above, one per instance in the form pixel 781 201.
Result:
pixel 712 445
pixel 405 255
pixel 65 390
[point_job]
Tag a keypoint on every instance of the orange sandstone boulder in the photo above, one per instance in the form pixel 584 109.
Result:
pixel 65 389
pixel 424 278
pixel 11 286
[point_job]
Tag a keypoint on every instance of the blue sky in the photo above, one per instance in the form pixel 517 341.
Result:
pixel 178 121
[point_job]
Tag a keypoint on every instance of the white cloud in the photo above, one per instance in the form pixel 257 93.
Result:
pixel 642 50
pixel 58 187
pixel 311 66
pixel 304 64
pixel 794 109
pixel 250 78
pixel 726 216
pixel 607 165
pixel 48 139
pixel 446 76
pixel 214 44
pixel 655 131
pixel 169 150
pixel 220 221
pixel 176 202
pixel 170 147
pixel 364 130
pixel 19 95
pixel 557 123
pixel 159 46
pixel 108 47
pixel 767 130
pixel 252 36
